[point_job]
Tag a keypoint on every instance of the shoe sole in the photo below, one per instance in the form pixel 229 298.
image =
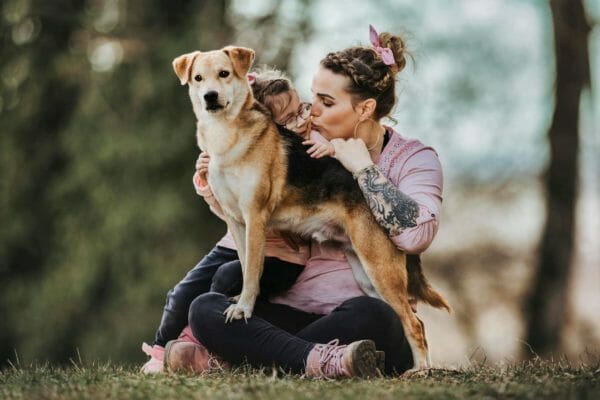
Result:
pixel 364 359
pixel 167 353
pixel 381 362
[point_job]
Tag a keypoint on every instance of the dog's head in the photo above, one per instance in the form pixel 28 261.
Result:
pixel 217 79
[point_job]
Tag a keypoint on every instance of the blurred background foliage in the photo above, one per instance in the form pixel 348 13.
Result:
pixel 98 217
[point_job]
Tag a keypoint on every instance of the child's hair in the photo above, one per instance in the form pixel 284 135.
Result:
pixel 369 76
pixel 269 82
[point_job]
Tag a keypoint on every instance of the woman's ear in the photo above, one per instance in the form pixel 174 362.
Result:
pixel 366 109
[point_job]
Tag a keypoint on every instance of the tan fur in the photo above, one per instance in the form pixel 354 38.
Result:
pixel 247 174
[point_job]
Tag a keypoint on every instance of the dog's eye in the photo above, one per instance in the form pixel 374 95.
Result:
pixel 198 78
pixel 224 74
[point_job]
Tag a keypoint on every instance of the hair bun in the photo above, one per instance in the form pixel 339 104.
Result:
pixel 398 47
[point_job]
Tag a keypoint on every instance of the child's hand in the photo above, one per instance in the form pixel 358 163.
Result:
pixel 319 149
pixel 202 164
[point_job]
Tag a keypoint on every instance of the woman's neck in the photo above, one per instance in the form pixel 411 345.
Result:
pixel 375 147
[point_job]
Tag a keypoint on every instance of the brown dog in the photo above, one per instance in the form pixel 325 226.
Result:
pixel 262 177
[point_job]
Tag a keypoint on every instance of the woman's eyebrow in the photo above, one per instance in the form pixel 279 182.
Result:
pixel 325 95
pixel 322 94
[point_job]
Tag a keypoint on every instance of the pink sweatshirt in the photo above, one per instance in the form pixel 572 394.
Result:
pixel 328 280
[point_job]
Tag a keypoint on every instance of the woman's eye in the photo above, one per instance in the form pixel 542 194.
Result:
pixel 198 78
pixel 224 74
pixel 327 104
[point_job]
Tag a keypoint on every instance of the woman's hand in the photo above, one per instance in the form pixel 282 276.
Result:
pixel 352 153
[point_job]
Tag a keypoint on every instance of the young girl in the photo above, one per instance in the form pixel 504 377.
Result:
pixel 220 271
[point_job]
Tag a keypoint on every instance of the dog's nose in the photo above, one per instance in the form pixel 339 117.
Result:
pixel 211 96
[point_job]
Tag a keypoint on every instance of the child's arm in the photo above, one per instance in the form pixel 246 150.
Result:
pixel 320 146
pixel 202 187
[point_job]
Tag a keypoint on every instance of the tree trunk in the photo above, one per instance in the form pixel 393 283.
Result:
pixel 547 305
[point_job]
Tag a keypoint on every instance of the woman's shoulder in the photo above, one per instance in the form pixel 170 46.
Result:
pixel 401 148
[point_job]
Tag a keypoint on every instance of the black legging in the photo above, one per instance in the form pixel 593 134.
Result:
pixel 219 271
pixel 283 336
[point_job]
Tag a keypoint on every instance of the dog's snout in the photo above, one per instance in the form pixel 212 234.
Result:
pixel 211 96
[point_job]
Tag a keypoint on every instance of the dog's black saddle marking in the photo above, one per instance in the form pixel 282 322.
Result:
pixel 319 179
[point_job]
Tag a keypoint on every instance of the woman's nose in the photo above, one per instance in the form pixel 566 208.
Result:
pixel 314 110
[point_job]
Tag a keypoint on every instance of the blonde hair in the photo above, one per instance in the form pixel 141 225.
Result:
pixel 369 76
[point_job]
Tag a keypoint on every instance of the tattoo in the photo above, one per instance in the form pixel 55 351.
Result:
pixel 392 209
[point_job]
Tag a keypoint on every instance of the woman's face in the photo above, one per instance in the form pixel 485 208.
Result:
pixel 332 112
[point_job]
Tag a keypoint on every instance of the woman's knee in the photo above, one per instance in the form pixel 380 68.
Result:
pixel 206 308
pixel 371 309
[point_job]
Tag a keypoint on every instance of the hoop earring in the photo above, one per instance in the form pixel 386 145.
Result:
pixel 355 134
pixel 356 127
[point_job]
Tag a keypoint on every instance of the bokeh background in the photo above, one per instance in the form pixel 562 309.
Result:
pixel 98 216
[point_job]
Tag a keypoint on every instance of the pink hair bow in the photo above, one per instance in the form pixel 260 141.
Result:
pixel 386 54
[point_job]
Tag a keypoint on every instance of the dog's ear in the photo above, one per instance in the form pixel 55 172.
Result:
pixel 183 65
pixel 241 58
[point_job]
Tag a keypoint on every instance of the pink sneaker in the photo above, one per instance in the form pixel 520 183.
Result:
pixel 187 335
pixel 357 359
pixel 155 364
pixel 184 355
pixel 188 354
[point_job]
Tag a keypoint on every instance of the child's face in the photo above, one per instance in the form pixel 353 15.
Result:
pixel 289 112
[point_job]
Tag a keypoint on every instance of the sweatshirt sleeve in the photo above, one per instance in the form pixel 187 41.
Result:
pixel 420 178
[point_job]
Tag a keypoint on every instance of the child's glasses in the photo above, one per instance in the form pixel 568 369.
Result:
pixel 299 120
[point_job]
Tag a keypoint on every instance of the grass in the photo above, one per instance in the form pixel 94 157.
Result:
pixel 530 380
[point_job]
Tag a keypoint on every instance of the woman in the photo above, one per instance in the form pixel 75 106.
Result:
pixel 324 325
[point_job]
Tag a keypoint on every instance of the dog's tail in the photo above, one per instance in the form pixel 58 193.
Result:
pixel 419 288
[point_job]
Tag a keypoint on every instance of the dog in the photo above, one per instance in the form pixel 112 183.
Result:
pixel 263 178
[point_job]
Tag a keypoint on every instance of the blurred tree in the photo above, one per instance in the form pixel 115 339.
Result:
pixel 547 306
pixel 39 96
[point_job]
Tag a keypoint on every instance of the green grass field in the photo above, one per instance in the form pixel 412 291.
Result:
pixel 531 380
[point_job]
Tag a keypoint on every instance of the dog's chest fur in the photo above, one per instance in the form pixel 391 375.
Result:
pixel 233 176
pixel 234 188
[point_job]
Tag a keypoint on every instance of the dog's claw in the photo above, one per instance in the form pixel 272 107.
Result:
pixel 237 311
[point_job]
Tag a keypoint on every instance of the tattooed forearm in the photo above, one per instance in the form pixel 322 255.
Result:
pixel 392 209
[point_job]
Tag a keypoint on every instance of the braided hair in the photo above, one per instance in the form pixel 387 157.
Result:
pixel 369 76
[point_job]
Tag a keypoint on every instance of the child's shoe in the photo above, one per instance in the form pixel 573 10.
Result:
pixel 155 364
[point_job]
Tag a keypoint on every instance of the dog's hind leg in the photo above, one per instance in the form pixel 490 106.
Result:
pixel 252 260
pixel 385 266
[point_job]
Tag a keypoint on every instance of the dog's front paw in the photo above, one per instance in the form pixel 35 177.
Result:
pixel 237 311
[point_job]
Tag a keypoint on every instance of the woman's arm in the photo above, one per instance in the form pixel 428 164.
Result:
pixel 406 206
pixel 393 210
